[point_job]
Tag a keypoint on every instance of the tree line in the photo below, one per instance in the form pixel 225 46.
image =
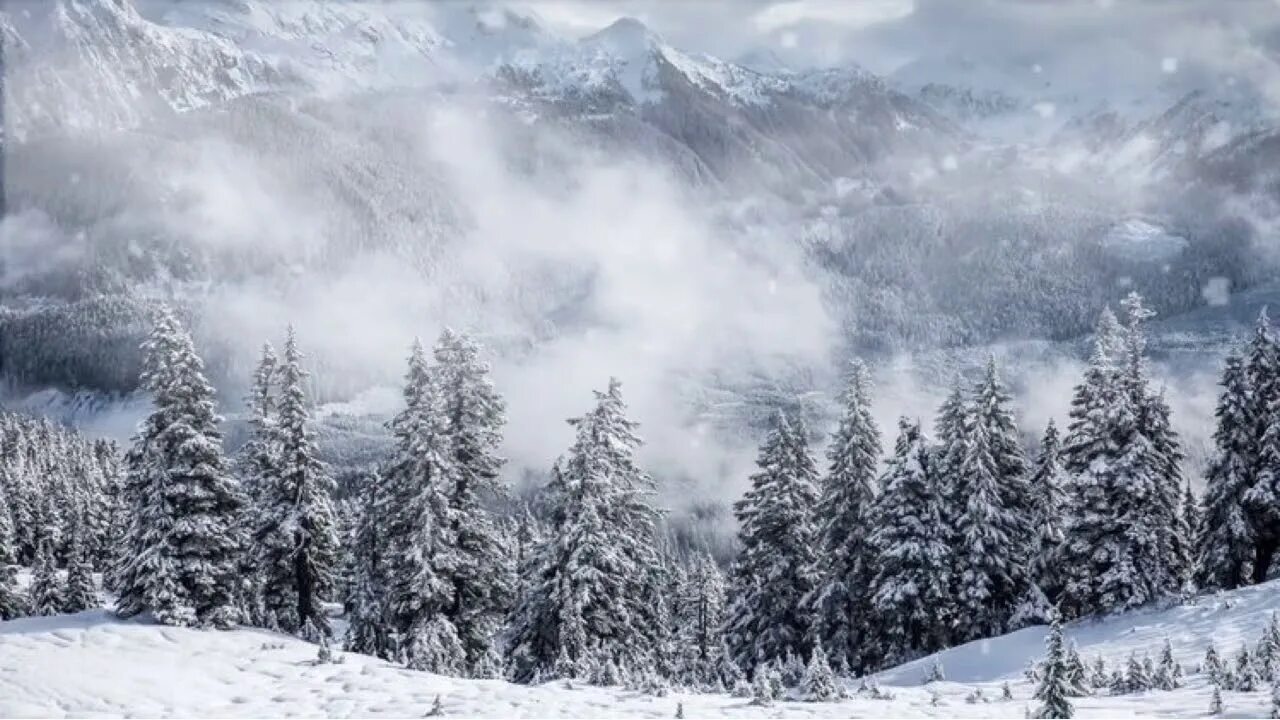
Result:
pixel 865 563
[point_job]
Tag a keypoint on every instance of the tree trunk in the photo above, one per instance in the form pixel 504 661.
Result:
pixel 1263 553
pixel 306 584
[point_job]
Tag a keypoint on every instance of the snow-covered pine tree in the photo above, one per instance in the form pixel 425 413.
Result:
pixel 1120 549
pixel 12 604
pixel 1193 518
pixel 1212 664
pixel 1226 542
pixel 1136 678
pixel 774 568
pixel 367 615
pixel 1077 673
pixel 1246 676
pixel 951 427
pixel 819 682
pixel 178 557
pixel 1267 654
pixel 473 415
pixel 762 691
pixel 46 591
pixel 841 602
pixel 663 650
pixel 1168 673
pixel 913 560
pixel 413 513
pixel 1088 441
pixel 992 527
pixel 260 455
pixel 1048 505
pixel 1155 453
pixel 1262 370
pixel 1054 687
pixel 296 536
pixel 590 573
pixel 1275 696
pixel 80 592
pixel 702 606
pixel 991 408
pixel 529 535
pixel 258 466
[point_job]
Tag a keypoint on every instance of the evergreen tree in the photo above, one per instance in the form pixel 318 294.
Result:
pixel 80 594
pixel 12 604
pixel 1215 701
pixel 1054 685
pixel 259 469
pixel 1168 672
pixel 1262 498
pixel 913 559
pixel 260 456
pixel 590 574
pixel 413 513
pixel 46 589
pixel 762 691
pixel 1246 676
pixel 1136 678
pixel 473 415
pixel 702 615
pixel 179 554
pixel 1269 646
pixel 1076 673
pixel 296 536
pixel 774 569
pixel 992 527
pixel 1048 505
pixel 1088 440
pixel 1226 543
pixel 1125 545
pixel 1156 454
pixel 1212 664
pixel 367 628
pixel 819 682
pixel 1098 675
pixel 841 602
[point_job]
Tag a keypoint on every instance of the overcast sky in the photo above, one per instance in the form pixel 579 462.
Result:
pixel 1096 40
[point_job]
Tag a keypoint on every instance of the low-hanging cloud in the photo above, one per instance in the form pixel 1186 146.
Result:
pixel 608 267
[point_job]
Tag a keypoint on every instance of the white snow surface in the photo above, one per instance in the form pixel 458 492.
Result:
pixel 92 664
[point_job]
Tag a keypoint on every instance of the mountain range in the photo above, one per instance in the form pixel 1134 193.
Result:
pixel 212 153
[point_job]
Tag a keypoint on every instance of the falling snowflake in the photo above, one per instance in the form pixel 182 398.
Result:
pixel 1169 65
pixel 1217 291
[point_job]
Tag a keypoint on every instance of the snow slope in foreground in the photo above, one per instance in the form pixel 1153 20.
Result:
pixel 92 664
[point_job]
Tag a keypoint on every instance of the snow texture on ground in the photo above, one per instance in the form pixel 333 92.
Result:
pixel 93 664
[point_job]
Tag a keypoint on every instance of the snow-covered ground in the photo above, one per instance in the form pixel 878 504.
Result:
pixel 92 664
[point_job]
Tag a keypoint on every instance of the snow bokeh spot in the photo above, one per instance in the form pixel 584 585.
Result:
pixel 1169 65
pixel 1217 291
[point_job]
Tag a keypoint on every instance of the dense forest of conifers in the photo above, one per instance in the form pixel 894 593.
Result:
pixel 866 560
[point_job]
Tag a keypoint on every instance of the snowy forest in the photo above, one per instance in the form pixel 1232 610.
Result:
pixel 638 358
pixel 842 568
